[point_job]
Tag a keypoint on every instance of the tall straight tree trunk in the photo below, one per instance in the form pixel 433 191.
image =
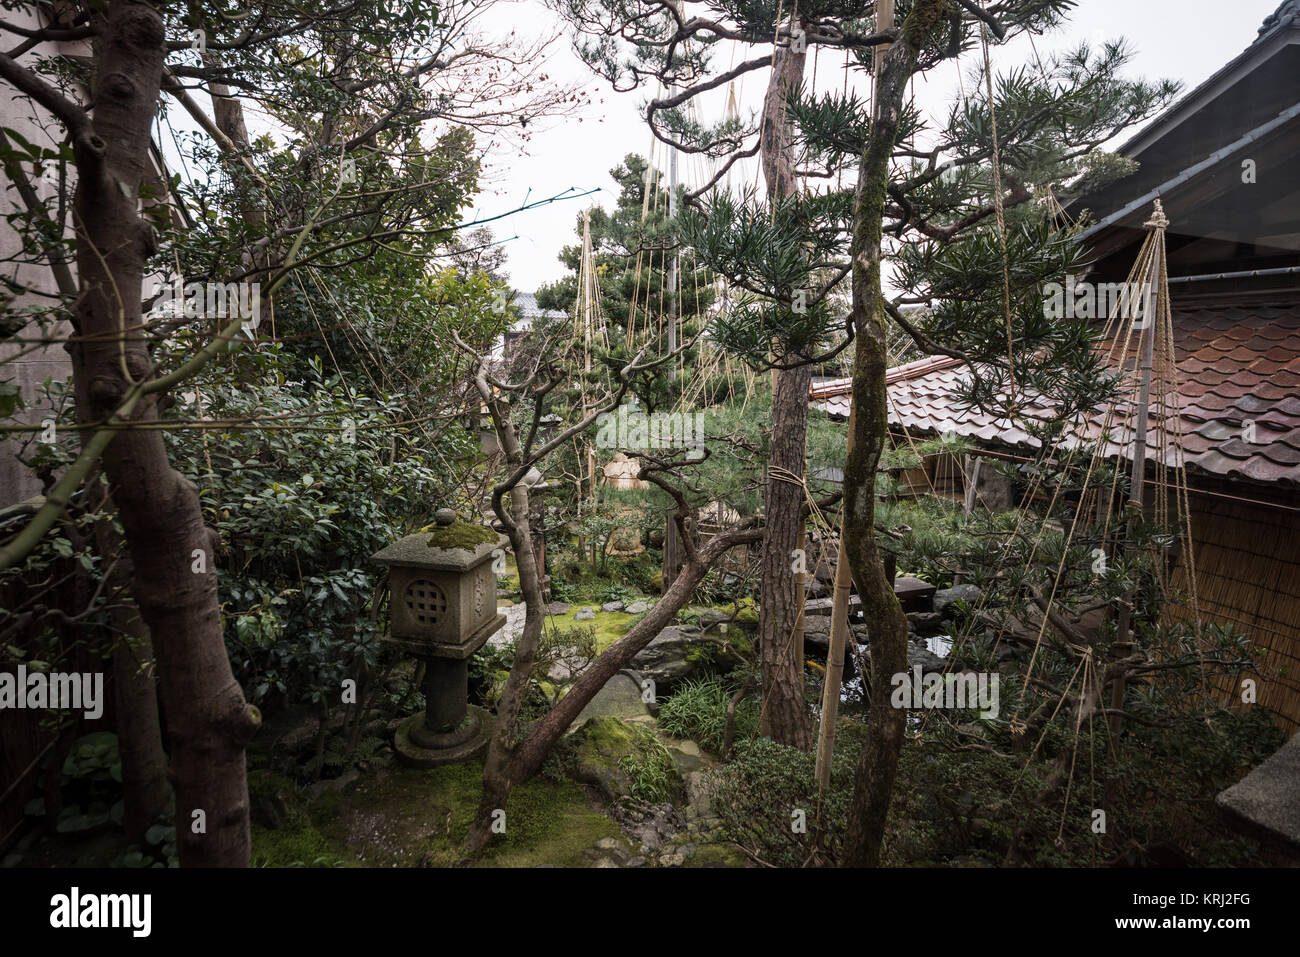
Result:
pixel 886 624
pixel 780 612
pixel 174 581
pixel 839 636
pixel 785 712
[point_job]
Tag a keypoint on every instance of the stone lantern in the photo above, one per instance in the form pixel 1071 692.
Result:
pixel 443 606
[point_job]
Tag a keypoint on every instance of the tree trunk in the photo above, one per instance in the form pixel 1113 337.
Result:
pixel 209 721
pixel 780 619
pixel 145 791
pixel 780 613
pixel 839 639
pixel 528 756
pixel 886 624
pixel 497 777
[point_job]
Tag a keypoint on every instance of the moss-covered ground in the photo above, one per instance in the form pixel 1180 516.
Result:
pixel 404 817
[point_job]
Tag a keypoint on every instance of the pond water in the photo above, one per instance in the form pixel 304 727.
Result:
pixel 939 645
pixel 852 691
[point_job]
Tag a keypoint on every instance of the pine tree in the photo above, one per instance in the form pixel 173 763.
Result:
pixel 964 216
pixel 632 247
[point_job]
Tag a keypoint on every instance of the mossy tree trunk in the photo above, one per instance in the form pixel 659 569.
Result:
pixel 886 624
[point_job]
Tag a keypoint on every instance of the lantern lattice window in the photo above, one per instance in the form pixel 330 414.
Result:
pixel 426 601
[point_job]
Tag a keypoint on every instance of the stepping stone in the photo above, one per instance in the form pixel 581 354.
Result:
pixel 1267 800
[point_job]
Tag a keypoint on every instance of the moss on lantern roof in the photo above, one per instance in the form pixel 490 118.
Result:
pixel 458 535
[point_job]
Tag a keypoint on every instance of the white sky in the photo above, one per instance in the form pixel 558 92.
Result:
pixel 1185 40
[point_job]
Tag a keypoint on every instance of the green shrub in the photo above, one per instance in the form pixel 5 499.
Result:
pixel 766 800
pixel 698 710
pixel 300 514
pixel 651 768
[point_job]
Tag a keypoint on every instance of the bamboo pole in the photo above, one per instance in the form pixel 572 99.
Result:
pixel 672 547
pixel 1155 305
pixel 843 577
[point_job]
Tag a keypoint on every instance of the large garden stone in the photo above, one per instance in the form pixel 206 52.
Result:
pixel 679 651
pixel 944 597
pixel 598 747
pixel 620 698
pixel 1266 802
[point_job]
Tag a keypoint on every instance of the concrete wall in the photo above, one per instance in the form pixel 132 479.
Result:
pixel 27 369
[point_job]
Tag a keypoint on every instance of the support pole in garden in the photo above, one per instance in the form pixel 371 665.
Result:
pixel 672 547
pixel 1153 309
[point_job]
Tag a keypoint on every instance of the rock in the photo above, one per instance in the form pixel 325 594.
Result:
pixel 699 793
pixel 557 608
pixel 337 784
pixel 712 616
pixel 1266 802
pixel 653 826
pixel 612 606
pixel 513 627
pixel 585 614
pixel 444 516
pixel 598 747
pixel 687 756
pixel 604 862
pixel 613 848
pixel 620 698
pixel 639 607
pixel 918 654
pixel 817 625
pixel 665 658
pixel 820 607
pixel 944 597
pixel 637 861
pixel 926 622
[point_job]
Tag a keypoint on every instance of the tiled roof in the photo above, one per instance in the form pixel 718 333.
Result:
pixel 526 303
pixel 1236 364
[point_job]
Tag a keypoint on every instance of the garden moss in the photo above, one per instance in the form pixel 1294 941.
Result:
pixel 410 817
pixel 458 535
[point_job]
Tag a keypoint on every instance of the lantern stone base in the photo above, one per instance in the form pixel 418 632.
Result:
pixel 417 747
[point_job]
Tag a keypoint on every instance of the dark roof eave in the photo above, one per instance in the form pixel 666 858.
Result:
pixel 1250 59
pixel 1191 172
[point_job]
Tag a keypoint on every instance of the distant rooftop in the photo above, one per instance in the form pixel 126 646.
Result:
pixel 526 302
